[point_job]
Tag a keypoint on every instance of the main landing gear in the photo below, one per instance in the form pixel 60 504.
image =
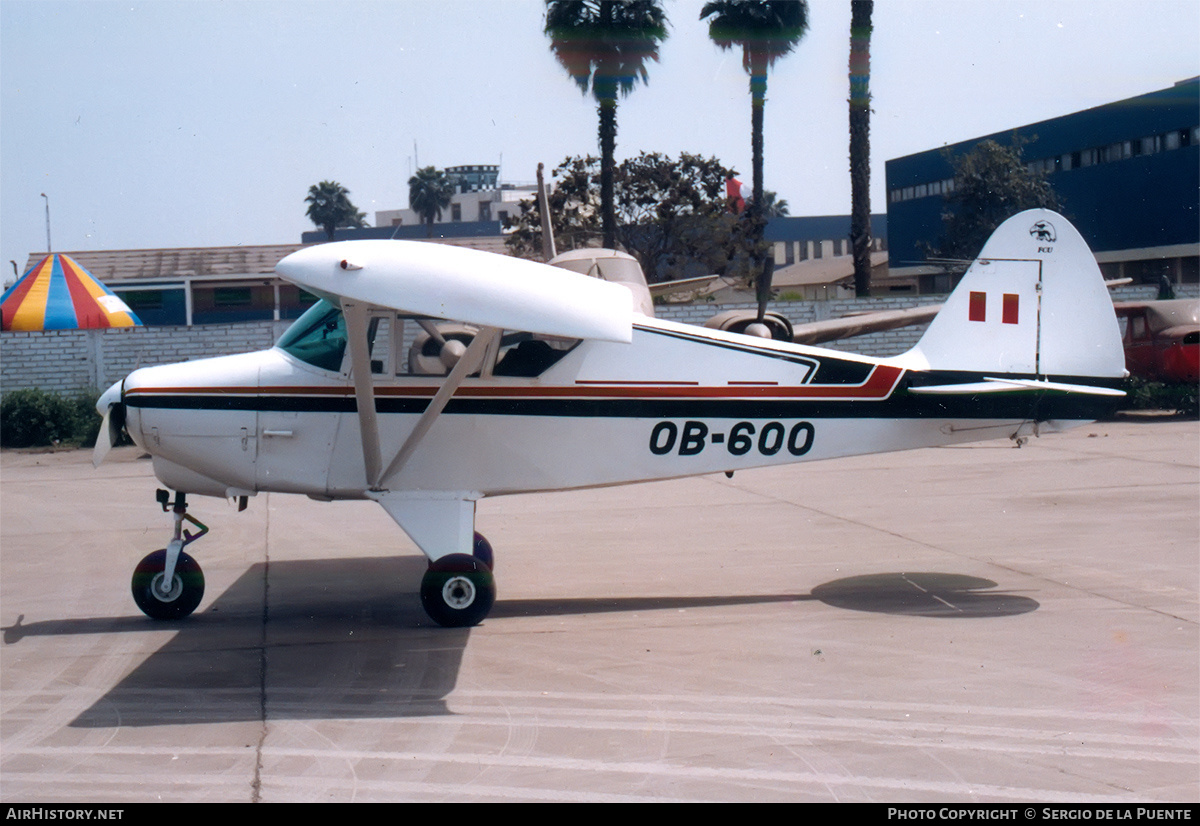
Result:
pixel 459 590
pixel 168 584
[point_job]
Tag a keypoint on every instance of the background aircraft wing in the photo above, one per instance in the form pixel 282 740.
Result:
pixel 833 329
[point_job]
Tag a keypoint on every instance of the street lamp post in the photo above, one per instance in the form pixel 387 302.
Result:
pixel 47 197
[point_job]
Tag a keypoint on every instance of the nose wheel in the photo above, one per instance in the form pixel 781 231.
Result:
pixel 163 599
pixel 168 584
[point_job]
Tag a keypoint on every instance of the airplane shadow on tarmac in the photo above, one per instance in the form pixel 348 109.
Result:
pixel 347 638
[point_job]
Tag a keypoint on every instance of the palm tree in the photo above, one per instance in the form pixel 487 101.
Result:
pixel 766 30
pixel 604 45
pixel 860 143
pixel 429 192
pixel 773 206
pixel 329 207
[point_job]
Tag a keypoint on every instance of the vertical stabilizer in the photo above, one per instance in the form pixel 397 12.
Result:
pixel 1033 303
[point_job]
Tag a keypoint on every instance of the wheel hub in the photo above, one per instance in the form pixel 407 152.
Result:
pixel 166 594
pixel 458 592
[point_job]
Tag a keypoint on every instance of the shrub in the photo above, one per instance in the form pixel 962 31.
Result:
pixel 34 418
pixel 1155 395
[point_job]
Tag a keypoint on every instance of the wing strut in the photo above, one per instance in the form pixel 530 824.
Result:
pixel 364 391
pixel 469 361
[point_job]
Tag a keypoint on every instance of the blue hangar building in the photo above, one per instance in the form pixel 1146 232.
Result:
pixel 1127 174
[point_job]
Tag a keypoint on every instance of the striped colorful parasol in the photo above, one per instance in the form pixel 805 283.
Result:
pixel 58 294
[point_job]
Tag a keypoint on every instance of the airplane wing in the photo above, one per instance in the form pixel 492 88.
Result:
pixel 493 292
pixel 467 285
pixel 684 285
pixel 836 328
pixel 1178 312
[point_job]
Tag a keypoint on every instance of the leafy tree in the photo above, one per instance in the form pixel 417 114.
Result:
pixel 991 184
pixel 860 143
pixel 429 192
pixel 329 207
pixel 604 45
pixel 673 215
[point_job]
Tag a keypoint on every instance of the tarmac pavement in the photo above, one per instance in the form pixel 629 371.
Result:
pixel 965 624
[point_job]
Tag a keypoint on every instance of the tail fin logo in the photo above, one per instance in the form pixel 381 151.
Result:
pixel 1043 231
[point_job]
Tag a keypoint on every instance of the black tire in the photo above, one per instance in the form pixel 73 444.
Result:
pixel 483 551
pixel 187 586
pixel 458 591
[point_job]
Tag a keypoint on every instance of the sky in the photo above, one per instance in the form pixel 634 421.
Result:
pixel 203 123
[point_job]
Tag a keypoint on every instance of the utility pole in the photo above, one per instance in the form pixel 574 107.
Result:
pixel 47 197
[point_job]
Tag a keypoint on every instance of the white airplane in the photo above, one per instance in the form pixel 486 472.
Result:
pixel 552 380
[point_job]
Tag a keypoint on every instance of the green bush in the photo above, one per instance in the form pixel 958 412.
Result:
pixel 35 418
pixel 1156 395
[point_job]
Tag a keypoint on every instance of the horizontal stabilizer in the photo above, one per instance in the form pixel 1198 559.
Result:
pixel 998 385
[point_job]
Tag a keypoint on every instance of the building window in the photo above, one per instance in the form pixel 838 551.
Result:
pixel 141 300
pixel 456 212
pixel 231 297
pixel 485 210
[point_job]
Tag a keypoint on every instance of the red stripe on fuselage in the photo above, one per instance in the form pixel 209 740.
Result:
pixel 879 385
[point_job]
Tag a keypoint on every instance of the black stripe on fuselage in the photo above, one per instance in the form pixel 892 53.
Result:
pixel 1022 404
pixel 811 363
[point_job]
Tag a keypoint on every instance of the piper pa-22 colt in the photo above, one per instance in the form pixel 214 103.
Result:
pixel 549 379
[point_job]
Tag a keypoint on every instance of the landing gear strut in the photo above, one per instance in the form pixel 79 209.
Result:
pixel 168 584
pixel 459 590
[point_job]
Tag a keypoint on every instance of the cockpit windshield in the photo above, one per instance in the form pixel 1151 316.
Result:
pixel 318 337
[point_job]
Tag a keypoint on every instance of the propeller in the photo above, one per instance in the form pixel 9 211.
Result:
pixel 441 348
pixel 110 432
pixel 762 291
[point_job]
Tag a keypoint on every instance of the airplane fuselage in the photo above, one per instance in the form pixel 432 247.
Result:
pixel 677 401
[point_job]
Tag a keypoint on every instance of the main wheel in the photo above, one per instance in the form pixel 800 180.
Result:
pixel 482 550
pixel 175 602
pixel 458 591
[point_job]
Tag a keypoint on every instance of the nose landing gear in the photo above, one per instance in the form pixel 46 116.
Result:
pixel 168 584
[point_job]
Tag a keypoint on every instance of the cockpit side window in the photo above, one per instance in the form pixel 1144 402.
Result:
pixel 318 337
pixel 432 346
pixel 437 345
pixel 524 355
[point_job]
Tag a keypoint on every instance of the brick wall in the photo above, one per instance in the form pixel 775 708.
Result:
pixel 67 361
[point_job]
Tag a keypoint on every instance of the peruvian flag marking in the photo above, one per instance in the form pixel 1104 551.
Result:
pixel 977 307
pixel 1009 310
